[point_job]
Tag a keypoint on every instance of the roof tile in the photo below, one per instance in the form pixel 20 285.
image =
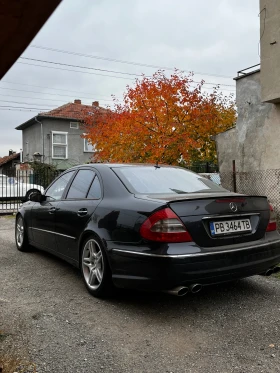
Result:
pixel 72 111
pixel 8 158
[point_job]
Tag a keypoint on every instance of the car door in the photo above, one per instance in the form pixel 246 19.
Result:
pixel 43 214
pixel 75 210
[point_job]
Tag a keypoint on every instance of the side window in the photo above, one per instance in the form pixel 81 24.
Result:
pixel 81 184
pixel 95 189
pixel 56 190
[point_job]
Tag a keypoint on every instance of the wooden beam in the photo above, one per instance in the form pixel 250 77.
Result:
pixel 20 22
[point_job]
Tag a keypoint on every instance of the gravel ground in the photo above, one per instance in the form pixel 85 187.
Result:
pixel 49 323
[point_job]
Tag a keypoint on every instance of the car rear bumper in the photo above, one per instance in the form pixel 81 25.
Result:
pixel 142 270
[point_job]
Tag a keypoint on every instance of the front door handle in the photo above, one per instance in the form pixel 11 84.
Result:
pixel 52 210
pixel 82 212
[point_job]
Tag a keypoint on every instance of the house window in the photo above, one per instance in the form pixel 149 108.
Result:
pixel 59 145
pixel 74 125
pixel 88 147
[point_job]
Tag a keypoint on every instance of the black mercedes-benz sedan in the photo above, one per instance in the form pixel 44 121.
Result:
pixel 150 227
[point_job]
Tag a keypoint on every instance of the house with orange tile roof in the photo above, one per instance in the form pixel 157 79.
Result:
pixel 56 136
pixel 8 163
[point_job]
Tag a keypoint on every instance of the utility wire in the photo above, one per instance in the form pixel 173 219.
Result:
pixel 24 110
pixel 54 94
pixel 49 99
pixel 80 67
pixel 24 103
pixel 121 61
pixel 264 19
pixel 111 71
pixel 51 94
pixel 23 107
pixel 75 71
pixel 55 89
pixel 222 89
pixel 35 98
pixel 67 90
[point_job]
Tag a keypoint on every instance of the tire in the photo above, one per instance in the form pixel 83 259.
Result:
pixel 95 268
pixel 21 235
pixel 28 194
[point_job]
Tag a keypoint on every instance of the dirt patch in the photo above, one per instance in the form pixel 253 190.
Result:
pixel 14 356
pixel 11 364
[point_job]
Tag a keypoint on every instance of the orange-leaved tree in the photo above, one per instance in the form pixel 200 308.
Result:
pixel 161 119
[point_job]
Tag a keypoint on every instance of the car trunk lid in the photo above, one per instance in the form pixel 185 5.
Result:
pixel 243 218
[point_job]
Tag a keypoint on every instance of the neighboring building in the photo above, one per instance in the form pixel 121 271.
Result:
pixel 270 50
pixel 8 163
pixel 56 136
pixel 255 141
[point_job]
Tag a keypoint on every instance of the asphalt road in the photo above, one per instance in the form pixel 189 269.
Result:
pixel 49 323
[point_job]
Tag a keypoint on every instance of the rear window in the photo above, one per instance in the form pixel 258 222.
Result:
pixel 164 180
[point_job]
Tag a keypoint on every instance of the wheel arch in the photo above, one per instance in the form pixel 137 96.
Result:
pixel 82 239
pixel 26 216
pixel 22 214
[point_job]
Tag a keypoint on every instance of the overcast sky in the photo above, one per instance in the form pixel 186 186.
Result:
pixel 214 39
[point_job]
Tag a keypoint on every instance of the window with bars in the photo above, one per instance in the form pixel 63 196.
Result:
pixel 59 145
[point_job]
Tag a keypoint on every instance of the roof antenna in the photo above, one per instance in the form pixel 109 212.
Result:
pixel 157 166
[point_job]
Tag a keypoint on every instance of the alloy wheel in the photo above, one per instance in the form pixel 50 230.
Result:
pixel 19 232
pixel 92 264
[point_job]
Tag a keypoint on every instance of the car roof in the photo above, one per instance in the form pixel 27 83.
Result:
pixel 118 165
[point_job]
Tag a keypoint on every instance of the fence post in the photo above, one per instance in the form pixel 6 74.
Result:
pixel 234 176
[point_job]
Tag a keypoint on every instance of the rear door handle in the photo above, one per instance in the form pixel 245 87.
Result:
pixel 82 212
pixel 52 210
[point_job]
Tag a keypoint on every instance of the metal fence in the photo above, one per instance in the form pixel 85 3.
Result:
pixel 17 188
pixel 203 167
pixel 260 183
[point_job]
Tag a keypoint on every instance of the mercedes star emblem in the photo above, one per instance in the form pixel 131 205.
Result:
pixel 233 206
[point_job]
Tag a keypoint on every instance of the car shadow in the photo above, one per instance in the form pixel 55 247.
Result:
pixel 48 257
pixel 237 293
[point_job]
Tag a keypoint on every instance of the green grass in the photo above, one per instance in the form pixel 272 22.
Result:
pixel 276 275
pixel 10 216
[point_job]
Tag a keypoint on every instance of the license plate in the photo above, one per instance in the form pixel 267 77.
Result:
pixel 230 226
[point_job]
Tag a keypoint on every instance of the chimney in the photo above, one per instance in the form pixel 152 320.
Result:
pixel 95 103
pixel 11 152
pixel 77 101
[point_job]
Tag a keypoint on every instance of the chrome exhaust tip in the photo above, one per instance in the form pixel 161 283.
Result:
pixel 179 291
pixel 195 288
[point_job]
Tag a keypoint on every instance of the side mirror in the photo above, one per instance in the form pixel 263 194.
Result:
pixel 37 197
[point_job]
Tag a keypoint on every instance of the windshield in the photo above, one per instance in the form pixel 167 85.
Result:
pixel 146 180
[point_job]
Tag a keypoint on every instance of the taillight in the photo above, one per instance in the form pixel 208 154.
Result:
pixel 164 226
pixel 272 220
